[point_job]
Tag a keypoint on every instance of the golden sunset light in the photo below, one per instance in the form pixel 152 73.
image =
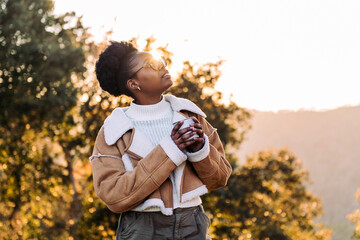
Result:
pixel 180 119
pixel 278 54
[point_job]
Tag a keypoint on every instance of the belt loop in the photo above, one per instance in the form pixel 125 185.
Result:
pixel 201 208
pixel 197 209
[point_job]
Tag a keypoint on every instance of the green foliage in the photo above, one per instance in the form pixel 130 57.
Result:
pixel 355 218
pixel 51 110
pixel 266 199
pixel 97 221
pixel 197 83
pixel 40 56
pixel 39 53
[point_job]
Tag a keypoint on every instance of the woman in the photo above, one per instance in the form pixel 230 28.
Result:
pixel 144 166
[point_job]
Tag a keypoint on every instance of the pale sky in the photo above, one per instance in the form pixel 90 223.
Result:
pixel 280 55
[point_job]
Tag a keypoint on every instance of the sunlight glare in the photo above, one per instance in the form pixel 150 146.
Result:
pixel 156 54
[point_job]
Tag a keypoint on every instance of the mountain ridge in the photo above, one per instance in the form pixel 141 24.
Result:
pixel 328 143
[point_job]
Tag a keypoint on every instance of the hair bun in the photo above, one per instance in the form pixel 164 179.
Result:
pixel 108 66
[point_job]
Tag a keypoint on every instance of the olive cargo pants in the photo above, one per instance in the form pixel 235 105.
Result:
pixel 186 223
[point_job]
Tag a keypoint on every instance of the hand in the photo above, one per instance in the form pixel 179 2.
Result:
pixel 199 141
pixel 180 138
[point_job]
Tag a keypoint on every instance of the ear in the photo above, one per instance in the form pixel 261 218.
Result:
pixel 132 84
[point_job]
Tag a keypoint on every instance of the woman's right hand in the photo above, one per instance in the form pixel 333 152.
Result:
pixel 180 138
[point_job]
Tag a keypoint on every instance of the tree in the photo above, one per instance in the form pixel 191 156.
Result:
pixel 266 198
pixel 41 57
pixel 355 218
pixel 197 83
pixel 51 111
pixel 235 210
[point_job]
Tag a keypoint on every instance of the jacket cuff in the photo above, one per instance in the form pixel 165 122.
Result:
pixel 172 150
pixel 202 153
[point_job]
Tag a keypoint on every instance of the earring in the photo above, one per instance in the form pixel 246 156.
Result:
pixel 139 88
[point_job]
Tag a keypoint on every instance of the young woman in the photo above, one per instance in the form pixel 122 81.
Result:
pixel 145 166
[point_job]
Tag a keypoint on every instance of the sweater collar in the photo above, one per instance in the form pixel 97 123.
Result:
pixel 119 123
pixel 148 112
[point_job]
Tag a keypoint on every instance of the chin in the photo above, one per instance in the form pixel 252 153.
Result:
pixel 169 85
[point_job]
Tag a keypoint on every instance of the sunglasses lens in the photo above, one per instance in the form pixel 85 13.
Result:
pixel 157 65
pixel 164 62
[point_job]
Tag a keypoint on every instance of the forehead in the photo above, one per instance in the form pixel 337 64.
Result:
pixel 143 56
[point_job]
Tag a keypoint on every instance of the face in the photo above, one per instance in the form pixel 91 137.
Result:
pixel 149 80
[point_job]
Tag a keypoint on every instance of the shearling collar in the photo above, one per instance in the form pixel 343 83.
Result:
pixel 118 123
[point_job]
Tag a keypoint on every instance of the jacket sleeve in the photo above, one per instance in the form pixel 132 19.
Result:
pixel 209 162
pixel 123 190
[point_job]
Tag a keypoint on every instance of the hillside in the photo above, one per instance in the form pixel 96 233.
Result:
pixel 328 143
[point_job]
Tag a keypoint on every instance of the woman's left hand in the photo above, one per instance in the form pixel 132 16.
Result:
pixel 199 141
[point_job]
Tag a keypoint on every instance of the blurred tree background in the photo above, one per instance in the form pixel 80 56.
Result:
pixel 52 108
pixel 355 218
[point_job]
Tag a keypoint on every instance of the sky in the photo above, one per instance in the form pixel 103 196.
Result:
pixel 279 55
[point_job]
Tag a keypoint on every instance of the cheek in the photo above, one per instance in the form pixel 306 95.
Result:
pixel 150 78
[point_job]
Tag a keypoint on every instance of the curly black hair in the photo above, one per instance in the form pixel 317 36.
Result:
pixel 113 67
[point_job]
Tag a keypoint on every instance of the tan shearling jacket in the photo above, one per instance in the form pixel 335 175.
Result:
pixel 129 173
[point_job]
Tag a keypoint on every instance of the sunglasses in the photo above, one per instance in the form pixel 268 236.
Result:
pixel 154 64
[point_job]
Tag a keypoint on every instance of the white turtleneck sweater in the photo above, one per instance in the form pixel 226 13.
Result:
pixel 155 122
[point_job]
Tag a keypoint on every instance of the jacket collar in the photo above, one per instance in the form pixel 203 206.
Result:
pixel 117 124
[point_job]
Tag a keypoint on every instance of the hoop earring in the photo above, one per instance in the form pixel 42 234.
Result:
pixel 139 88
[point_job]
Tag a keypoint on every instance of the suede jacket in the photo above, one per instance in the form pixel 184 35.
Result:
pixel 130 174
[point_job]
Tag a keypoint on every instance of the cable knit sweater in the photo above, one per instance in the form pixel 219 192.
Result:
pixel 155 122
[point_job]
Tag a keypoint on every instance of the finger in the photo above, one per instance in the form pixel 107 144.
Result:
pixel 195 119
pixel 183 145
pixel 196 125
pixel 200 140
pixel 200 132
pixel 185 130
pixel 186 137
pixel 176 128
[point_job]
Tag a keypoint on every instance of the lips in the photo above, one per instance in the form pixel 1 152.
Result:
pixel 166 75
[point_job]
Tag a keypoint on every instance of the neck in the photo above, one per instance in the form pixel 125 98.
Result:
pixel 148 100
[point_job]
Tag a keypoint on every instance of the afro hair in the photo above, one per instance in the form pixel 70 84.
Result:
pixel 112 68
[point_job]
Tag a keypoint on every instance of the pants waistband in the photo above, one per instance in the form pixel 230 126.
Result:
pixel 175 211
pixel 190 209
